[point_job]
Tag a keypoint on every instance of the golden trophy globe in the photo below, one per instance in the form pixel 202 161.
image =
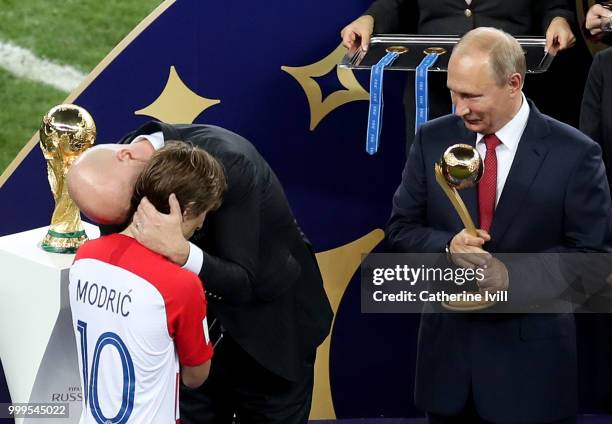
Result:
pixel 461 167
pixel 66 131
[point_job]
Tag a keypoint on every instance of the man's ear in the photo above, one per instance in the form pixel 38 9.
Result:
pixel 515 82
pixel 124 154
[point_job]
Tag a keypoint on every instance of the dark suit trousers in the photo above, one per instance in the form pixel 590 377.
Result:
pixel 469 414
pixel 239 385
pixel 468 417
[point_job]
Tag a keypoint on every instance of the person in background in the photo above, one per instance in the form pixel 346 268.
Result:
pixel 596 112
pixel 598 22
pixel 456 17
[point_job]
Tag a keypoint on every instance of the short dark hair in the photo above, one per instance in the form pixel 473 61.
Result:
pixel 192 174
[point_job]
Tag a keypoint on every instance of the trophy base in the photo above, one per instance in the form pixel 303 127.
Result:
pixel 55 242
pixel 467 306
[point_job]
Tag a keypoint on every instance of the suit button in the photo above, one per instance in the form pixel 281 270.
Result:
pixel 467 13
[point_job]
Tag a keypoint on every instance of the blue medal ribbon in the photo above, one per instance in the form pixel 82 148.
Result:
pixel 422 90
pixel 376 101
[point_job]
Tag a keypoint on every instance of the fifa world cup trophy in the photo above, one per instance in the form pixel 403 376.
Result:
pixel 65 133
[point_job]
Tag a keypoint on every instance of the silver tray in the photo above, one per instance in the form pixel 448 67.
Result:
pixel 537 60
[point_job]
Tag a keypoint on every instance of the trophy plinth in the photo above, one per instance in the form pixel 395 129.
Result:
pixel 461 167
pixel 66 132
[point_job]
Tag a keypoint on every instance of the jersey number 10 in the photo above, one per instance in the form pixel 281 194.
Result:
pixel 90 381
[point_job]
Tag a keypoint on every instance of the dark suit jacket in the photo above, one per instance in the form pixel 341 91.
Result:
pixel 596 112
pixel 448 17
pixel 519 367
pixel 260 274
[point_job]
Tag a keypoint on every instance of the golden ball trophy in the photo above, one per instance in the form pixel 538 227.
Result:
pixel 65 133
pixel 461 167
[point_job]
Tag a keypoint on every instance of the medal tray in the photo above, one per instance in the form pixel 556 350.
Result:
pixel 537 60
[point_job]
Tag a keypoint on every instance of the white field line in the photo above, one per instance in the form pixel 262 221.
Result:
pixel 25 64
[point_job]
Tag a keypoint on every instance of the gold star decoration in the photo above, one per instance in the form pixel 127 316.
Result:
pixel 337 268
pixel 320 108
pixel 177 103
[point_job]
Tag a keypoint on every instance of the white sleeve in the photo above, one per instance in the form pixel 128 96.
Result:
pixel 195 260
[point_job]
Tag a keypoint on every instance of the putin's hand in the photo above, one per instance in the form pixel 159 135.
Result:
pixel 466 250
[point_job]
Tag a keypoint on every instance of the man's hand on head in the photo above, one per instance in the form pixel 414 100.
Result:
pixel 161 232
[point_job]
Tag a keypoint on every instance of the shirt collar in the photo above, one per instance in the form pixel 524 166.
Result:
pixel 511 133
pixel 156 139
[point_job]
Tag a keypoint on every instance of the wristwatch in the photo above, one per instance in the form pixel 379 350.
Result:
pixel 449 255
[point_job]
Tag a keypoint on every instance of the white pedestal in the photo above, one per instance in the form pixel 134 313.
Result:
pixel 37 346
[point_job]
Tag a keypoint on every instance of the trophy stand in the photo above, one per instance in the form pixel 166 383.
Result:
pixel 38 352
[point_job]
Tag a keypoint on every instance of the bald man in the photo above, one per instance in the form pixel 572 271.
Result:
pixel 267 308
pixel 101 182
pixel 544 189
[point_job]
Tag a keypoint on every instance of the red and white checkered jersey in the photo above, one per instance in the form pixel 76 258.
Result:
pixel 136 316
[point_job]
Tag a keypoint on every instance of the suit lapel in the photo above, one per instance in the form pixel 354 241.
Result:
pixel 529 156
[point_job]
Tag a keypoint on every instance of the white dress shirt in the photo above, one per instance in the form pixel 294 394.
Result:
pixel 509 135
pixel 195 260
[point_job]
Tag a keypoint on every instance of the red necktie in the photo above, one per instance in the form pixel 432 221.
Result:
pixel 487 188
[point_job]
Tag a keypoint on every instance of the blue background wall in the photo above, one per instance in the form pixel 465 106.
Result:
pixel 233 51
